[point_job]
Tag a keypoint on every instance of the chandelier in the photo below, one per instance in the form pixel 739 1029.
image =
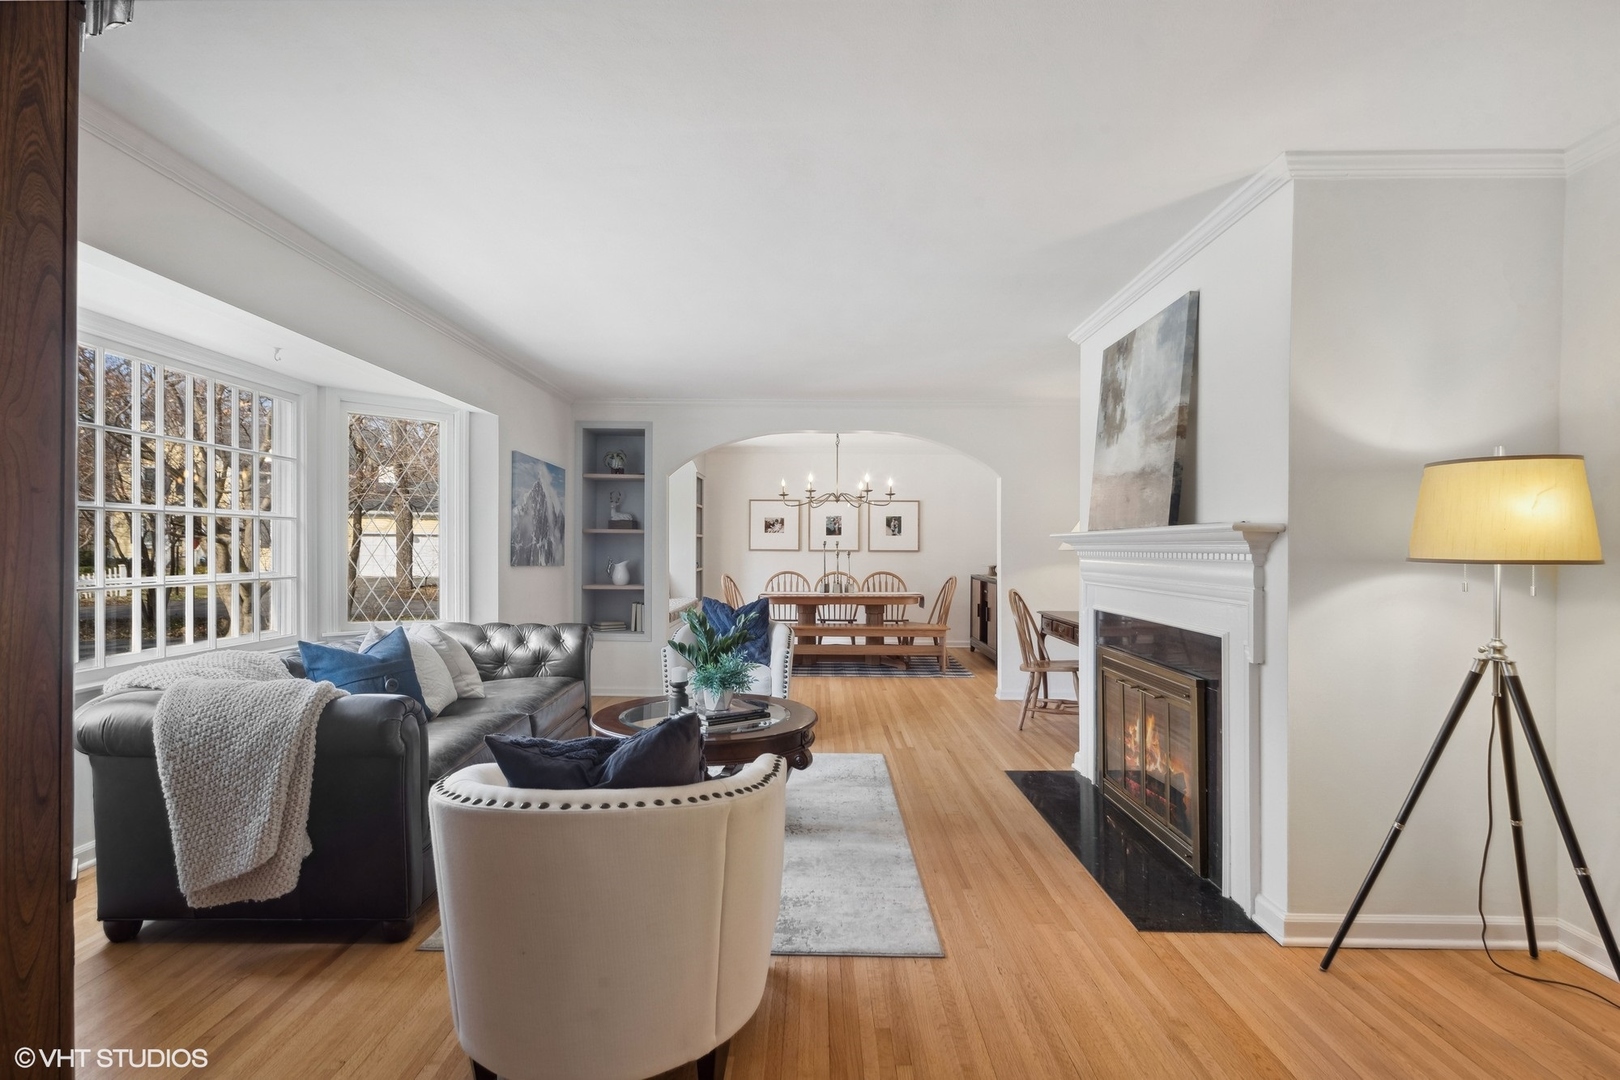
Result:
pixel 861 496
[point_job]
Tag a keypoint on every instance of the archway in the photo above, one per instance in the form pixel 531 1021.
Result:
pixel 726 519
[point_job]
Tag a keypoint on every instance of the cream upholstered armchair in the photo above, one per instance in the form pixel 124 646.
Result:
pixel 771 679
pixel 606 934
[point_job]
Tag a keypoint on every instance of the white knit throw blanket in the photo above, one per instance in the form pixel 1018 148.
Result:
pixel 235 738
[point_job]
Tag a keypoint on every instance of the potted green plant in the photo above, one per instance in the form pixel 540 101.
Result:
pixel 718 669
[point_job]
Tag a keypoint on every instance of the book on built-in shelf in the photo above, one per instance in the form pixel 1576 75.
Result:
pixel 635 617
pixel 610 626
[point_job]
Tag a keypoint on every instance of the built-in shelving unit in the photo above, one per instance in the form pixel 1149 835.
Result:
pixel 699 535
pixel 601 601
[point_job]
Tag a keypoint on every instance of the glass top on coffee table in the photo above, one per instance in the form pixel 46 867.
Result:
pixel 650 713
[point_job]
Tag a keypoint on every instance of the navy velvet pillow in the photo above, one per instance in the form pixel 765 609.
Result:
pixel 550 764
pixel 385 668
pixel 668 755
pixel 722 616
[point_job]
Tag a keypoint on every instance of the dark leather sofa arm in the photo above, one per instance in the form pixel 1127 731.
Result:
pixel 357 726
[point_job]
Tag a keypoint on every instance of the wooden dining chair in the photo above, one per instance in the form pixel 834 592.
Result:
pixel 884 581
pixel 786 581
pixel 1039 666
pixel 937 627
pixel 733 595
pixel 837 581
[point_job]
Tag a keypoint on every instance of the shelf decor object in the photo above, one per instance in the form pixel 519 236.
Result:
pixel 538 489
pixel 1526 510
pixel 861 496
pixel 772 526
pixel 1144 411
pixel 895 527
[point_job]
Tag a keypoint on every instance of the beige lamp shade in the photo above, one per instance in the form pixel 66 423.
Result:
pixel 1526 509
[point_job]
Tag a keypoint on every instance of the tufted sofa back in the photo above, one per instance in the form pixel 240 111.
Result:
pixel 524 650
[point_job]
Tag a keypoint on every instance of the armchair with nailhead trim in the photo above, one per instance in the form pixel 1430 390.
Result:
pixel 679 888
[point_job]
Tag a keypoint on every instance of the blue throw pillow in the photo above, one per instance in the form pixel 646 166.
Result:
pixel 385 668
pixel 722 616
pixel 550 764
pixel 667 755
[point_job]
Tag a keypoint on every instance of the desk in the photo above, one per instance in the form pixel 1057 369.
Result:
pixel 1063 625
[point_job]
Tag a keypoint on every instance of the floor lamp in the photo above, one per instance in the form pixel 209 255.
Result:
pixel 1534 510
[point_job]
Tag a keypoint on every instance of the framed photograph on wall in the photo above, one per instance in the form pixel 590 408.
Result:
pixel 834 527
pixel 772 525
pixel 896 527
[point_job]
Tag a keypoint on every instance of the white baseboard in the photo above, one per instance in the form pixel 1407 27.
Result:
pixel 1581 944
pixel 627 691
pixel 1270 918
pixel 1431 932
pixel 86 854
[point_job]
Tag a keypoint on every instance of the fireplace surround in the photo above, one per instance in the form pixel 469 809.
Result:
pixel 1209 579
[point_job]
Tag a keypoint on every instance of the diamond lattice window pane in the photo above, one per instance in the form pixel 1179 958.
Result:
pixel 393 511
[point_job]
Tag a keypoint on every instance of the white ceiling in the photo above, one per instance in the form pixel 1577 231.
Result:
pixel 666 198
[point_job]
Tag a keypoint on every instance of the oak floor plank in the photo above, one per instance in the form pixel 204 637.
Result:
pixel 1043 976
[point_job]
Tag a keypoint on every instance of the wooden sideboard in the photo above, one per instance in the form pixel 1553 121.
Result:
pixel 982 601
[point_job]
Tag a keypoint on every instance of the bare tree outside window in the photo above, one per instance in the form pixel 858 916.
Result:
pixel 393 526
pixel 185 500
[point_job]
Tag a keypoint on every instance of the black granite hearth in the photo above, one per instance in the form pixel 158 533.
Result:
pixel 1154 889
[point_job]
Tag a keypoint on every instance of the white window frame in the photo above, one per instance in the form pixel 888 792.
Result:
pixel 106 333
pixel 454 569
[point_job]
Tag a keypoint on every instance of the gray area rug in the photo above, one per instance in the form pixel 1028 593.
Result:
pixel 849 882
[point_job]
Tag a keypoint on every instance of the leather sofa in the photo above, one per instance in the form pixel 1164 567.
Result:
pixel 611 933
pixel 376 757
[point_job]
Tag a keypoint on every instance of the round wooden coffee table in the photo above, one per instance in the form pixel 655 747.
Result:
pixel 788 730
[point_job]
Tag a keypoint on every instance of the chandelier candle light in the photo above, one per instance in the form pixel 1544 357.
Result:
pixel 862 495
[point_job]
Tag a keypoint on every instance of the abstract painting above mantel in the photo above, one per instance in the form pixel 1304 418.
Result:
pixel 538 489
pixel 1144 414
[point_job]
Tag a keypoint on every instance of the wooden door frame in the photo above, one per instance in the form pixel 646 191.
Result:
pixel 39 123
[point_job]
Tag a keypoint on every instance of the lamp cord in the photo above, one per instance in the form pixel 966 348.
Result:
pixel 1484 861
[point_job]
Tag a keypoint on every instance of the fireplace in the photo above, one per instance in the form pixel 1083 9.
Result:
pixel 1158 745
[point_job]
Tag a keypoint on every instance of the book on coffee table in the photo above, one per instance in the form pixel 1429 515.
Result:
pixel 742 709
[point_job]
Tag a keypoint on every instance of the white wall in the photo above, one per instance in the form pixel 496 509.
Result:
pixel 1589 596
pixel 957 514
pixel 683 544
pixel 1030 447
pixel 1240 445
pixel 1426 320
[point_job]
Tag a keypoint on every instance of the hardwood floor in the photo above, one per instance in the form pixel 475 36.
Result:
pixel 1043 976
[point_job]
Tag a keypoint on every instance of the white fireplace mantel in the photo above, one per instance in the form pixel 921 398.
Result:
pixel 1210 579
pixel 1224 561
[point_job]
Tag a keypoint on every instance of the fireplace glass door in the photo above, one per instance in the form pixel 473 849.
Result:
pixel 1151 748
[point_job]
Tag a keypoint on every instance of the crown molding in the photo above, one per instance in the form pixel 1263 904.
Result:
pixel 119 133
pixel 1347 165
pixel 1598 146
pixel 1256 190
pixel 1426 165
pixel 587 406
